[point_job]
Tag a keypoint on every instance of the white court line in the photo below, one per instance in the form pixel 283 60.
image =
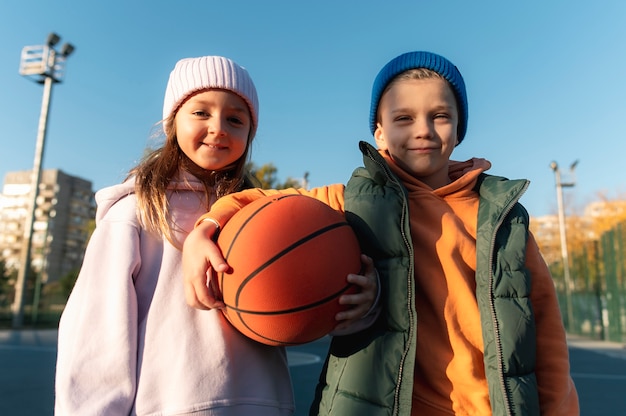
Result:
pixel 301 358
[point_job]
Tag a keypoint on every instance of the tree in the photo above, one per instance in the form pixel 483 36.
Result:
pixel 59 291
pixel 3 269
pixel 607 213
pixel 6 289
pixel 67 282
pixel 266 175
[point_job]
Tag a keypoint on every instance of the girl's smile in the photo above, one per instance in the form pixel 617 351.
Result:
pixel 212 128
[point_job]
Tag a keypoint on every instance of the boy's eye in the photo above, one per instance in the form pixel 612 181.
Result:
pixel 402 118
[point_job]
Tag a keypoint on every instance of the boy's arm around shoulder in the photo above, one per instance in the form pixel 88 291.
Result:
pixel 227 206
pixel 557 393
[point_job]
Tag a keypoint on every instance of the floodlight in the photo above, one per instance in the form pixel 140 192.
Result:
pixel 67 49
pixel 53 39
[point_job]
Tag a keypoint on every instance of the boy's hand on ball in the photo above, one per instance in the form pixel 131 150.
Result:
pixel 363 301
pixel 201 259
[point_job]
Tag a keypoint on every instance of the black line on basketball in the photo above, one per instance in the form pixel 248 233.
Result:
pixel 243 226
pixel 293 310
pixel 287 311
pixel 285 251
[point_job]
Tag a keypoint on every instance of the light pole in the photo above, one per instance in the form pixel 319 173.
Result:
pixel 46 66
pixel 564 254
pixel 305 180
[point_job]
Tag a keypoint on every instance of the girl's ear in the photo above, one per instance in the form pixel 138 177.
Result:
pixel 379 136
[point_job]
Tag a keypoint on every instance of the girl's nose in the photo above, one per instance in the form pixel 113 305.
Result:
pixel 217 126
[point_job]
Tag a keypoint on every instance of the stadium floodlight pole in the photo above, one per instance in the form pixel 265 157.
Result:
pixel 564 253
pixel 44 65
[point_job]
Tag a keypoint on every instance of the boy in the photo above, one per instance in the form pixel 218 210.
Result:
pixel 470 322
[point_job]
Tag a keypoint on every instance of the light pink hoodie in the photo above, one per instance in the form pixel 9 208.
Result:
pixel 130 345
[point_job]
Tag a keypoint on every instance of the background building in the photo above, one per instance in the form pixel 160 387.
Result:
pixel 63 217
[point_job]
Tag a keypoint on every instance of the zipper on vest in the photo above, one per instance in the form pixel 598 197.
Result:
pixel 497 338
pixel 412 323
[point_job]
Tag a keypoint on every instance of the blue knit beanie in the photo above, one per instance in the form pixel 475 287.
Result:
pixel 421 59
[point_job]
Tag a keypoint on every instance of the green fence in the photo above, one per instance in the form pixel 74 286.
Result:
pixel 598 292
pixel 42 305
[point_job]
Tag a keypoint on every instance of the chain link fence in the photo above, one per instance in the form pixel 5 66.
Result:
pixel 598 288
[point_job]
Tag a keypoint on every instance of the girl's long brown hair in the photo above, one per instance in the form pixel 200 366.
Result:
pixel 155 171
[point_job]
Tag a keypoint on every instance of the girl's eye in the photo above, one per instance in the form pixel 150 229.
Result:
pixel 235 120
pixel 200 113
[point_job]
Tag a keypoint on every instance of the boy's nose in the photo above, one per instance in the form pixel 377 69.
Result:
pixel 422 128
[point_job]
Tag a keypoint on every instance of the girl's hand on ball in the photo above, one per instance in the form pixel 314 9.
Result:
pixel 363 301
pixel 202 258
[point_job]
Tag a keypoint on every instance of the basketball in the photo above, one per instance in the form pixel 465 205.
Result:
pixel 289 258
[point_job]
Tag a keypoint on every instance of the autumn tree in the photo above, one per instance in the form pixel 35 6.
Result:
pixel 606 213
pixel 583 232
pixel 267 176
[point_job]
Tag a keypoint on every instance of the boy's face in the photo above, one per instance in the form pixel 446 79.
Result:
pixel 417 126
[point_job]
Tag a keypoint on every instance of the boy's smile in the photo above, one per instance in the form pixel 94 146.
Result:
pixel 417 126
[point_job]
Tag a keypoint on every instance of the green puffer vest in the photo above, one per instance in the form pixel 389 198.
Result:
pixel 371 373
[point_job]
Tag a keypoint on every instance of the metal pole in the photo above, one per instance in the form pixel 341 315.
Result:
pixel 38 280
pixel 18 305
pixel 564 251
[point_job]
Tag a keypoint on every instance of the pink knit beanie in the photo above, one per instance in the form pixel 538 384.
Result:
pixel 194 74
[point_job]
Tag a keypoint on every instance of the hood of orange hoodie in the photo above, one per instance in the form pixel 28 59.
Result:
pixel 461 174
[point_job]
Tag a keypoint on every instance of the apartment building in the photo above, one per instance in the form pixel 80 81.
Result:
pixel 65 208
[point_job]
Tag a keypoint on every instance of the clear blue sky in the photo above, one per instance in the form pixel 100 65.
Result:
pixel 545 81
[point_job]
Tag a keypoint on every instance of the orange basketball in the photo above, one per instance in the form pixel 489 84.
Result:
pixel 290 256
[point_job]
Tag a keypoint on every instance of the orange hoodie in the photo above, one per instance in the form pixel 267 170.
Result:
pixel 449 372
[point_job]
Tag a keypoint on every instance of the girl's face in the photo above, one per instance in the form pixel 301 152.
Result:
pixel 417 126
pixel 212 128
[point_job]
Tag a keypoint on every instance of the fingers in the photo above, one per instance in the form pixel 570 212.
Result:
pixel 201 258
pixel 193 298
pixel 370 269
pixel 214 257
pixel 203 293
pixel 195 270
pixel 364 299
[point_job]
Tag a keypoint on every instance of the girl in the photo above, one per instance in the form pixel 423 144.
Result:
pixel 128 343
